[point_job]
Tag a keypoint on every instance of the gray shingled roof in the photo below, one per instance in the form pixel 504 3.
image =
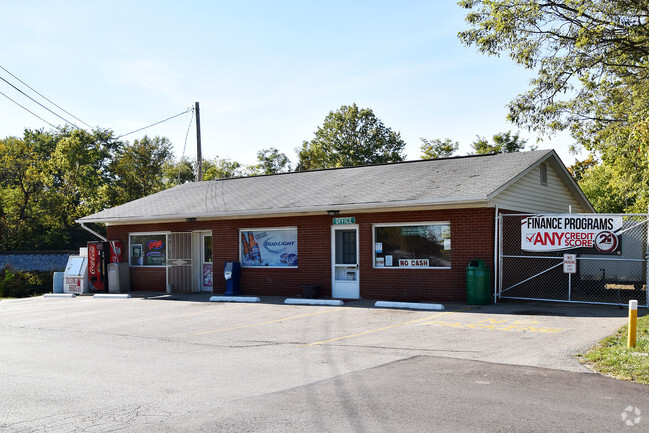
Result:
pixel 471 179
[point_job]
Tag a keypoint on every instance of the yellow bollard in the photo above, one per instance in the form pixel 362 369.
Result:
pixel 633 321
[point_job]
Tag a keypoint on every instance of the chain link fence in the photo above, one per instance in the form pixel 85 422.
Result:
pixel 603 278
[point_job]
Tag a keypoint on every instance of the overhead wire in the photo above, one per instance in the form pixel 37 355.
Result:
pixel 31 112
pixel 25 94
pixel 157 123
pixel 44 97
pixel 185 145
pixel 72 115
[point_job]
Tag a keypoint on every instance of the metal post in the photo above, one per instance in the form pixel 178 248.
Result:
pixel 199 156
pixel 633 320
pixel 646 285
pixel 496 255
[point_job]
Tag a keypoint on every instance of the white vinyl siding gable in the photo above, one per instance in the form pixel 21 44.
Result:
pixel 529 194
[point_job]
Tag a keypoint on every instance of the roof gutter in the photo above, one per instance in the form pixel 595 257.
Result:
pixel 83 225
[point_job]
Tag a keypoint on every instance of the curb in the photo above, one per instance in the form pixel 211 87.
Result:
pixel 302 301
pixel 409 305
pixel 234 299
pixel 112 295
pixel 59 295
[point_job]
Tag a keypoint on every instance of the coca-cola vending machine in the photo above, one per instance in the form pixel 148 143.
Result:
pixel 99 255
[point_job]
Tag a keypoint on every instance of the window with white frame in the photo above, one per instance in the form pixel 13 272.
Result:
pixel 412 245
pixel 148 249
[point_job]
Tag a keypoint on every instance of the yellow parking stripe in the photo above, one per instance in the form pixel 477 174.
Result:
pixel 264 323
pixel 383 328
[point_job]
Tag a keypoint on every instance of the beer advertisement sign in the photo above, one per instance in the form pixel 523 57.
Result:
pixel 276 248
pixel 587 233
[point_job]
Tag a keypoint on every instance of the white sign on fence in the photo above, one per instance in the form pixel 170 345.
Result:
pixel 569 231
pixel 570 263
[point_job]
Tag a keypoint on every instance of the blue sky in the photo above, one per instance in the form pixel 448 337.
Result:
pixel 265 73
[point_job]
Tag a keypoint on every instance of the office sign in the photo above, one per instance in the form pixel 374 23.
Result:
pixel 344 220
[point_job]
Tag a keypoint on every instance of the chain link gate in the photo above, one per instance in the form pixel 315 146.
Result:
pixel 611 278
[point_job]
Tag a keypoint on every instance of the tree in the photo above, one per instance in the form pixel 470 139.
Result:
pixel 218 168
pixel 503 142
pixel 579 169
pixel 436 148
pixel 178 172
pixel 350 136
pixel 603 189
pixel 271 161
pixel 49 179
pixel 22 181
pixel 591 60
pixel 138 169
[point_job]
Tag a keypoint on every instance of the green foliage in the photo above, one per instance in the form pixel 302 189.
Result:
pixel 611 356
pixel 178 172
pixel 591 60
pixel 503 142
pixel 579 169
pixel 50 179
pixel 138 169
pixel 436 148
pixel 350 136
pixel 21 284
pixel 271 161
pixel 218 168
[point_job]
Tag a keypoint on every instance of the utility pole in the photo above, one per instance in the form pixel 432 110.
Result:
pixel 199 157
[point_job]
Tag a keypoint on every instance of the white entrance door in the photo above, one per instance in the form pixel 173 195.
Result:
pixel 206 262
pixel 344 262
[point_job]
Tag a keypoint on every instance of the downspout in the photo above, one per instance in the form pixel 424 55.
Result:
pixel 93 232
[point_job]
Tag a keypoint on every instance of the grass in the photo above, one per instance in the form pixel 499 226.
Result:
pixel 612 357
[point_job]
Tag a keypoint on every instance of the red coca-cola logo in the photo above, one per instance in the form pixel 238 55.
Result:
pixel 92 258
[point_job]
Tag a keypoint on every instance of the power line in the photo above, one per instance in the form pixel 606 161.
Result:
pixel 60 117
pixel 72 115
pixel 42 96
pixel 185 146
pixel 55 127
pixel 157 123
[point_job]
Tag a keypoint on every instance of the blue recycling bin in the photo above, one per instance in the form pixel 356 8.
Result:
pixel 232 274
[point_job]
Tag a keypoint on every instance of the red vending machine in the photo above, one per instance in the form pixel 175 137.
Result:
pixel 99 255
pixel 115 251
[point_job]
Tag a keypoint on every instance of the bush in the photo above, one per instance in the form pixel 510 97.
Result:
pixel 23 284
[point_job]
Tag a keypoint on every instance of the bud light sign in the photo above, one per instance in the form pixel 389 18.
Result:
pixel 276 248
pixel 588 233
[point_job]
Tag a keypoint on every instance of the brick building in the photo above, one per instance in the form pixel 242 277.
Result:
pixel 403 231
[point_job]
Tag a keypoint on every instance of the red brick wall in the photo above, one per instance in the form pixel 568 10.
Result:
pixel 472 234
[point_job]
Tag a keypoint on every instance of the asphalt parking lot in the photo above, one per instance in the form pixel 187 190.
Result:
pixel 88 364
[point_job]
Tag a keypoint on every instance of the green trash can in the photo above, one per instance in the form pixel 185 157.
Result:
pixel 478 287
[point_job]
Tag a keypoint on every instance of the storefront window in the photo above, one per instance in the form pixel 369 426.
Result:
pixel 148 249
pixel 207 249
pixel 426 245
pixel 268 247
pixel 207 263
